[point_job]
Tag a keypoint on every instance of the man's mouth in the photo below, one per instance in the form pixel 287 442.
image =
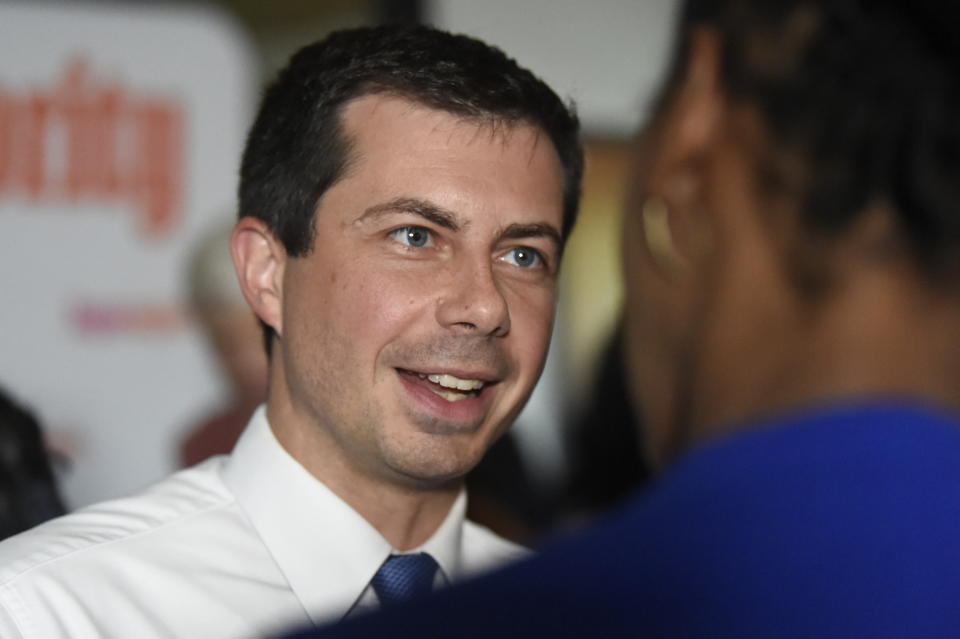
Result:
pixel 447 386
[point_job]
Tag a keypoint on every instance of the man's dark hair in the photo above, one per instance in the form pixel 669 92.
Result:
pixel 297 149
pixel 867 94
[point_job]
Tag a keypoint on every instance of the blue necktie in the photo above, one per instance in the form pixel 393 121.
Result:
pixel 402 577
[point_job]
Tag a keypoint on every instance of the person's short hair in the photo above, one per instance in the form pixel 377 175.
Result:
pixel 866 93
pixel 297 149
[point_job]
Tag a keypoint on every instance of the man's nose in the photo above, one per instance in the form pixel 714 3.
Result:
pixel 473 302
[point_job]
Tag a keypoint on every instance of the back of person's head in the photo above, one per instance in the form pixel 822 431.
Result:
pixel 860 99
pixel 798 213
pixel 297 148
pixel 28 493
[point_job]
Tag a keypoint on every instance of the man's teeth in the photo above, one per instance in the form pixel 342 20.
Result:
pixel 449 381
pixel 460 389
pixel 450 396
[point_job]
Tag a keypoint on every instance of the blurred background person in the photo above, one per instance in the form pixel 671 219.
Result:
pixel 236 341
pixel 28 488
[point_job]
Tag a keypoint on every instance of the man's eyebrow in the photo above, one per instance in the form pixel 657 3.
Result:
pixel 521 231
pixel 425 209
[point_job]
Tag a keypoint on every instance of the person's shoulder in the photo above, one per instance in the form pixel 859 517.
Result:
pixel 486 550
pixel 107 526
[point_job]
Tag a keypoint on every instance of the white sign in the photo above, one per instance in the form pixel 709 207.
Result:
pixel 121 128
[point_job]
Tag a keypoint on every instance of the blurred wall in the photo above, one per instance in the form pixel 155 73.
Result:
pixel 607 55
pixel 279 27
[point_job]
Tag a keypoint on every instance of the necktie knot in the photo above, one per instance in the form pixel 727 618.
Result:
pixel 403 577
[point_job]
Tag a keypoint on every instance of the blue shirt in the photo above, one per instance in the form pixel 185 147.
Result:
pixel 840 521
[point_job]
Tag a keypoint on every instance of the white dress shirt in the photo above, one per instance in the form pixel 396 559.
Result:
pixel 240 546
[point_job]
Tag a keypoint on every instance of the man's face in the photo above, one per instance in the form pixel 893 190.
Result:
pixel 416 328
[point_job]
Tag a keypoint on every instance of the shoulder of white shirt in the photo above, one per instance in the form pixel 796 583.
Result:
pixel 180 496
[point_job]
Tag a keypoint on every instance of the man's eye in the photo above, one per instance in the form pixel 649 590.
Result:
pixel 524 257
pixel 415 236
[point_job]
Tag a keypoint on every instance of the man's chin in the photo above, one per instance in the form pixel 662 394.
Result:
pixel 418 477
pixel 428 424
pixel 434 461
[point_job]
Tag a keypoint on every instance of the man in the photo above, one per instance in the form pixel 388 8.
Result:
pixel 405 196
pixel 793 266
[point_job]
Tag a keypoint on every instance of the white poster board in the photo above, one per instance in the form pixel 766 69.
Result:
pixel 121 127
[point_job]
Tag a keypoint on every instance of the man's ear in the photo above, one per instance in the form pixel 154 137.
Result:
pixel 259 259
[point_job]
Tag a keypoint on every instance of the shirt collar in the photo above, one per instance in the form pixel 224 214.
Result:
pixel 326 550
pixel 446 544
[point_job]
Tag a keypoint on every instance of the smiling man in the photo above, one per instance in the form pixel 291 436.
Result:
pixel 412 332
pixel 405 196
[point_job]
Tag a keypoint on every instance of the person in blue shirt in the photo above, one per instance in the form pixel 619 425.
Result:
pixel 793 327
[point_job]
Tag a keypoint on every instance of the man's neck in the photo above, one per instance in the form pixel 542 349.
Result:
pixel 405 513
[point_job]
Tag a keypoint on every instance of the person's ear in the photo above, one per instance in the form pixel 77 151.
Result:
pixel 259 259
pixel 676 148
